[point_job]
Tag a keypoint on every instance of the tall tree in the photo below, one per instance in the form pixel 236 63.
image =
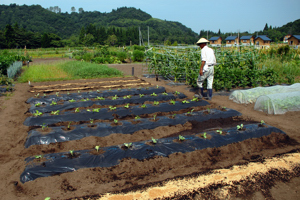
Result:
pixel 73 9
pixel 266 27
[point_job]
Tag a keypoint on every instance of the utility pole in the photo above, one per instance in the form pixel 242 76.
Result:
pixel 207 34
pixel 140 36
pixel 148 38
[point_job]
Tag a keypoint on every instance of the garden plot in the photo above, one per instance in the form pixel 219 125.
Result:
pixel 67 117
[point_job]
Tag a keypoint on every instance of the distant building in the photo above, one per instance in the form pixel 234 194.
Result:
pixel 262 41
pixel 247 40
pixel 232 40
pixel 294 40
pixel 215 41
pixel 285 38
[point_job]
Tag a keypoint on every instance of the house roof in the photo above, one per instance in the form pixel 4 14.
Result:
pixel 263 37
pixel 297 37
pixel 214 38
pixel 246 37
pixel 231 38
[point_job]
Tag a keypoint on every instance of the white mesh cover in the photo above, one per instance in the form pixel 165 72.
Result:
pixel 278 103
pixel 250 95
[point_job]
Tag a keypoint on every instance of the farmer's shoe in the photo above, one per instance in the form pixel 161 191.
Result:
pixel 209 94
pixel 199 93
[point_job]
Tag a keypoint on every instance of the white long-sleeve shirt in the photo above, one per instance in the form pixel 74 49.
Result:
pixel 208 55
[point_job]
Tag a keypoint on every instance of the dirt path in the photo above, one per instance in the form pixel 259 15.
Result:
pixel 219 183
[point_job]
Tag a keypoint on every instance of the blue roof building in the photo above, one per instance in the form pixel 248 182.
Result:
pixel 262 40
pixel 232 40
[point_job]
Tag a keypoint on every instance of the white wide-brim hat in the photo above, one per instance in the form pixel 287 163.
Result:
pixel 202 40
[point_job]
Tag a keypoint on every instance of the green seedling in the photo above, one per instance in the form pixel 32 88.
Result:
pixel 262 122
pixel 139 88
pixel 44 126
pixel 224 107
pixel 129 88
pixel 38 156
pixel 100 98
pixel 208 109
pixel 68 93
pixel 37 95
pixel 37 113
pixel 91 121
pixel 109 89
pixel 96 109
pixel 190 112
pixel 204 135
pixel 144 106
pixel 77 110
pixel 157 86
pixel 114 97
pixel 57 93
pixel 177 92
pixel 126 106
pixel 195 99
pixel 154 117
pixel 119 89
pixel 137 117
pixel 69 125
pixel 181 138
pixel 44 95
pixel 53 103
pixel 220 131
pixel 153 94
pixel 141 95
pixel 172 102
pixel 55 112
pixel 97 148
pixel 47 198
pixel 37 104
pixel 78 91
pixel 98 91
pixel 116 121
pixel 89 110
pixel 174 115
pixel 71 152
pixel 185 101
pixel 154 141
pixel 128 145
pixel 72 100
pixel 128 96
pixel 240 127
pixel 155 103
pixel 124 97
pixel 165 93
pixel 112 108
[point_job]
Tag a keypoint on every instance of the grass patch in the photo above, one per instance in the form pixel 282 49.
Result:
pixel 67 70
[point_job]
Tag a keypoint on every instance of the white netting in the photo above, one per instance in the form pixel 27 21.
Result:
pixel 250 95
pixel 278 103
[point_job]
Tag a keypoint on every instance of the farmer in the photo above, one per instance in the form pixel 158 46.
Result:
pixel 208 60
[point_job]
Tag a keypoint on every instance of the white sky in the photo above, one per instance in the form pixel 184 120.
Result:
pixel 228 16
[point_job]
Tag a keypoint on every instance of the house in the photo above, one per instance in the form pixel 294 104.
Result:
pixel 232 40
pixel 262 41
pixel 285 38
pixel 294 40
pixel 215 41
pixel 247 40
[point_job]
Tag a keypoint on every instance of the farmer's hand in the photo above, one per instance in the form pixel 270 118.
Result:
pixel 201 73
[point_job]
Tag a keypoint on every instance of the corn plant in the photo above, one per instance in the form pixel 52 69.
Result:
pixel 181 138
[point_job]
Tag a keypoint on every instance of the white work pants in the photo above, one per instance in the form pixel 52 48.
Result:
pixel 209 75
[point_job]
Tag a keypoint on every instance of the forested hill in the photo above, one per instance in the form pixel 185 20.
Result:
pixel 38 19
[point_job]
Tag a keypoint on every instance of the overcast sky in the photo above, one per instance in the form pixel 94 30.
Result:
pixel 228 16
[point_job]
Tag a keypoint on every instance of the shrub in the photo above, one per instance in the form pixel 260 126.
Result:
pixel 141 48
pixel 138 55
pixel 122 56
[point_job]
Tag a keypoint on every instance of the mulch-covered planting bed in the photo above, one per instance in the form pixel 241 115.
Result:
pixel 86 139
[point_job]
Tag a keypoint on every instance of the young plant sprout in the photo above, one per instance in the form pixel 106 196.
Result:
pixel 77 110
pixel 69 125
pixel 38 156
pixel 96 109
pixel 195 99
pixel 68 93
pixel 47 198
pixel 177 92
pixel 144 106
pixel 53 103
pixel 128 96
pixel 153 94
pixel 208 109
pixel 78 91
pixel 114 97
pixel 100 98
pixel 174 115
pixel 72 100
pixel 119 89
pixel 190 112
pixel 91 121
pixel 155 103
pixel 37 95
pixel 141 95
pixel 181 138
pixel 109 89
pixel 124 97
pixel 154 141
pixel 240 127
pixel 157 86
pixel 87 99
pixel 204 135
pixel 165 93
pixel 112 108
pixel 185 101
pixel 44 126
pixel 37 104
pixel 44 95
pixel 71 152
pixel 154 117
pixel 262 122
pixel 128 145
pixel 57 93
pixel 137 117
pixel 97 148
pixel 55 112
pixel 37 113
pixel 115 121
pixel 220 131
pixel 224 107
pixel 172 102
pixel 98 91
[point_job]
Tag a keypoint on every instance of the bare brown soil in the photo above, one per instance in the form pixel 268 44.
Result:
pixel 263 168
